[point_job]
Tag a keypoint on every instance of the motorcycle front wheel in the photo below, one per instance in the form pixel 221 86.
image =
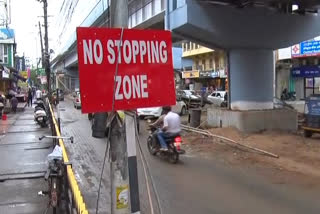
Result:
pixel 151 148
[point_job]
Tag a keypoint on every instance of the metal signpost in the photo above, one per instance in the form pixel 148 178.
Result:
pixel 124 69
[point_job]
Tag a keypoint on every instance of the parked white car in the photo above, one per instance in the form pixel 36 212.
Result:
pixel 216 97
pixel 190 94
pixel 77 100
pixel 179 108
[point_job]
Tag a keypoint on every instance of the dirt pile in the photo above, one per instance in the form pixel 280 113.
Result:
pixel 299 156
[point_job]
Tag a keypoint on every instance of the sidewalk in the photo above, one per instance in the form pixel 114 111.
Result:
pixel 23 163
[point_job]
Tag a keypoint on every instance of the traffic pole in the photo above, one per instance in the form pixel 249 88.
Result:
pixel 132 162
pixel 123 165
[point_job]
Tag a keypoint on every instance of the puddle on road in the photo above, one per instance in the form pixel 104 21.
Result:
pixel 32 164
pixel 68 121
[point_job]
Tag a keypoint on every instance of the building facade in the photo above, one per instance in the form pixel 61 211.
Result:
pixel 298 69
pixel 143 14
pixel 7 47
pixel 209 67
pixel 7 51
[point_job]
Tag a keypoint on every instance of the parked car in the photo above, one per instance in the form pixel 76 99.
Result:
pixel 189 95
pixel 217 98
pixel 179 108
pixel 77 100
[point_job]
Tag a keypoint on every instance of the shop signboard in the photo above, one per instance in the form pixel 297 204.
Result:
pixel 222 73
pixel 313 105
pixel 41 72
pixel 306 71
pixel 205 74
pixel 24 74
pixel 6 35
pixel 214 74
pixel 309 48
pixel 43 80
pixel 190 74
pixel 5 73
pixel 209 74
pixel 125 69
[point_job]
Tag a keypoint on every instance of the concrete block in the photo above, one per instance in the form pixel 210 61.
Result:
pixel 254 121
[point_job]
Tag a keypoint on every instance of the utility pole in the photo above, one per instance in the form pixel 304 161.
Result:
pixel 46 46
pixel 123 165
pixel 41 44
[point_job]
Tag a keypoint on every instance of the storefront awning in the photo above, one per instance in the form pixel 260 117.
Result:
pixel 306 71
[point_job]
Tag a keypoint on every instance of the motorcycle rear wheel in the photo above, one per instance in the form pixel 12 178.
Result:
pixel 151 148
pixel 174 158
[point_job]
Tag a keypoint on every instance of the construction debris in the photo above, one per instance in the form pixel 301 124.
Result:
pixel 209 134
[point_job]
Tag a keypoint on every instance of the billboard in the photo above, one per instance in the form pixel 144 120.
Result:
pixel 6 35
pixel 308 48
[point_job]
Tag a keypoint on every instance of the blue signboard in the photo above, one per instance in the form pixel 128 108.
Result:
pixel 6 33
pixel 306 71
pixel 309 48
pixel 313 105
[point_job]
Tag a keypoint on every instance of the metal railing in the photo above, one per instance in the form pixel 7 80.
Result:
pixel 75 202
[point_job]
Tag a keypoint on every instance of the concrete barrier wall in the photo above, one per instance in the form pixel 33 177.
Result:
pixel 254 121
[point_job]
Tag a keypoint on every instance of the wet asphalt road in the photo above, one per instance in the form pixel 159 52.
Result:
pixel 199 185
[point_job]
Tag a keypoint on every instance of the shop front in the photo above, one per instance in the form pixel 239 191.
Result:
pixel 305 79
pixel 212 80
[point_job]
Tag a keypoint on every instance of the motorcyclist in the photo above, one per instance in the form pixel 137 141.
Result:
pixel 171 127
pixel 159 122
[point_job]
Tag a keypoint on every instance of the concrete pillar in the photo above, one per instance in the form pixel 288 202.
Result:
pixel 251 79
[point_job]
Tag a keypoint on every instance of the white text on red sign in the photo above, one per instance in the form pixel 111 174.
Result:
pixel 134 51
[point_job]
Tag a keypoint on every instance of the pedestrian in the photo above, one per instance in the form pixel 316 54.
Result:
pixel 38 94
pixel 33 91
pixel 1 105
pixel 29 97
pixel 14 104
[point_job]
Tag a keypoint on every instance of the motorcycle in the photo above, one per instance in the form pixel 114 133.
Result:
pixel 40 115
pixel 285 95
pixel 174 146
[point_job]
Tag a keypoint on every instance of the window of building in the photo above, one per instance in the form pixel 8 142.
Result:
pixel 133 20
pixel 139 16
pixel 196 66
pixel 174 4
pixel 147 11
pixel 211 64
pixel 4 53
pixel 204 65
pixel 156 6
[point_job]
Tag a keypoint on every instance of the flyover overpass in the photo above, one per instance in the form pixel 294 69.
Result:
pixel 249 30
